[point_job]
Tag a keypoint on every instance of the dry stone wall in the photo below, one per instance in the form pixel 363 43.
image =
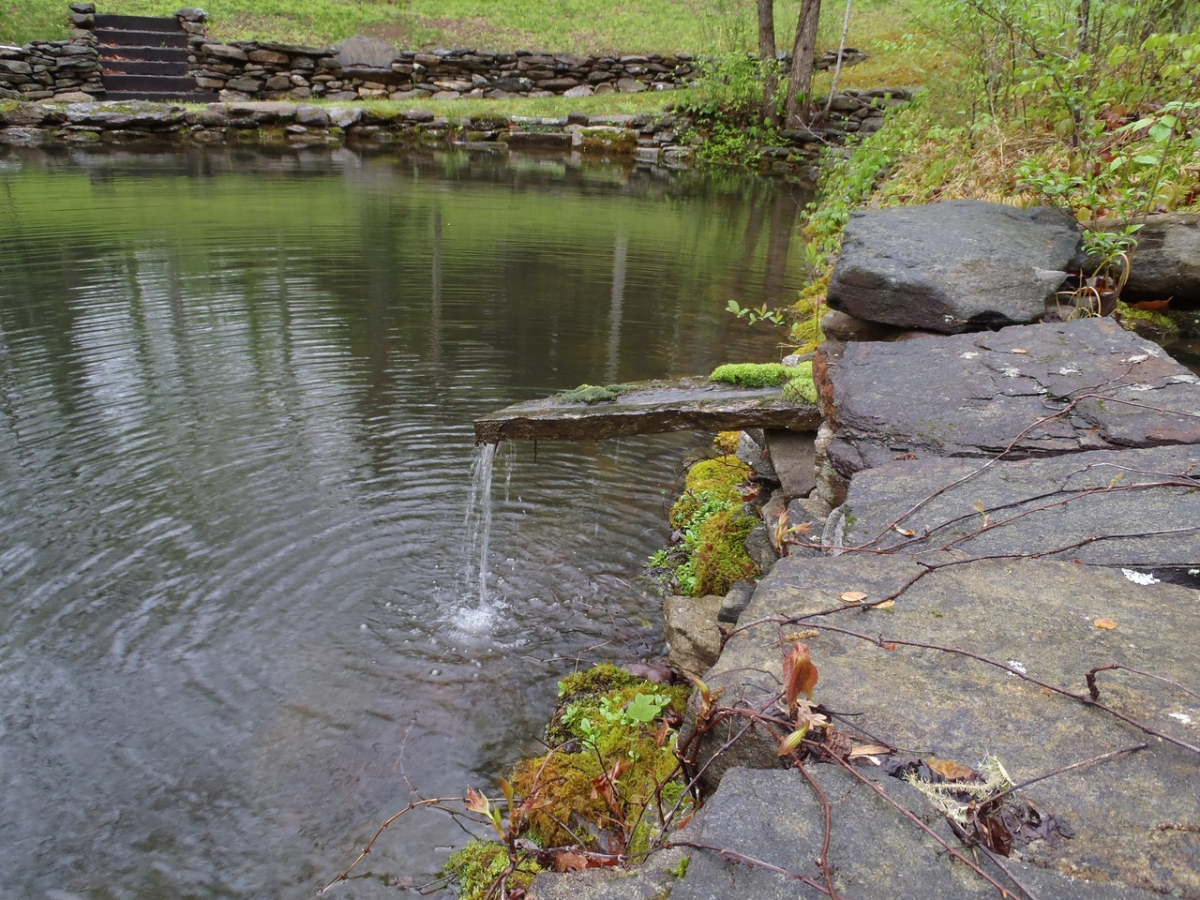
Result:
pixel 272 71
pixel 50 70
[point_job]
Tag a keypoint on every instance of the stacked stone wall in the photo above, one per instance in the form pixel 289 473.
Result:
pixel 50 70
pixel 264 70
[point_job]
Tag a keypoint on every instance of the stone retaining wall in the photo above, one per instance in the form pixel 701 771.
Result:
pixel 665 138
pixel 266 70
pixel 45 70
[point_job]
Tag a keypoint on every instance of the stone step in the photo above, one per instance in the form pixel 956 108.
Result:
pixel 159 68
pixel 649 407
pixel 137 23
pixel 163 96
pixel 142 38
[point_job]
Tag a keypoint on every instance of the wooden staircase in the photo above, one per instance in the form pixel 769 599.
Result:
pixel 146 58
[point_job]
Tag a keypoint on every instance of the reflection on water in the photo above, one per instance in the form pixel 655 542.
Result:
pixel 236 396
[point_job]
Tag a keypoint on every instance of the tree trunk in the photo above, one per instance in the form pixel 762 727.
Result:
pixel 766 52
pixel 803 57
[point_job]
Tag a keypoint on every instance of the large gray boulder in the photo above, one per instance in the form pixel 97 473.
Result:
pixel 1132 817
pixel 1037 390
pixel 1166 262
pixel 955 266
pixel 1135 509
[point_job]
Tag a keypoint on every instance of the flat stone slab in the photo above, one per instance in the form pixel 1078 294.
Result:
pixel 1133 817
pixel 1138 509
pixel 1035 390
pixel 954 266
pixel 651 407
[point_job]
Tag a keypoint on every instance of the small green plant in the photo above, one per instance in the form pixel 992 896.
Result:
pixel 762 314
pixel 642 709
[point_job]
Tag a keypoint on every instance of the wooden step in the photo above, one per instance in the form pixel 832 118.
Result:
pixel 143 67
pixel 163 96
pixel 149 83
pixel 138 23
pixel 162 54
pixel 142 38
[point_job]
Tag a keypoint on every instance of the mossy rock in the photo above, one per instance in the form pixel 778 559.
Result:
pixel 590 393
pixel 721 557
pixel 477 867
pixel 716 478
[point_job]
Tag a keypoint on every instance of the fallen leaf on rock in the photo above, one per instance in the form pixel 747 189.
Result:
pixel 1152 305
pixel 886 604
pixel 852 596
pixel 1019 350
pixel 904 531
pixel 570 862
pixel 1106 624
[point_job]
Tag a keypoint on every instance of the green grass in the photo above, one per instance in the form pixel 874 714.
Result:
pixel 575 26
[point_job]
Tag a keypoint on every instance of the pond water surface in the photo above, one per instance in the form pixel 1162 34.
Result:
pixel 237 625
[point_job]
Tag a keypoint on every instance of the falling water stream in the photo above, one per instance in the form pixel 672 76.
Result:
pixel 477 523
pixel 238 490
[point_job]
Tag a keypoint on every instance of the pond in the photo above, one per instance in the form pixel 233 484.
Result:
pixel 240 624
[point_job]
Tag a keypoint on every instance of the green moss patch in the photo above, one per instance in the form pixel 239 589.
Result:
pixel 477 867
pixel 612 766
pixel 711 526
pixel 590 393
pixel 800 386
pixel 751 375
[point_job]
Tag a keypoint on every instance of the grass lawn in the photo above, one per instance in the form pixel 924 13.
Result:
pixel 574 26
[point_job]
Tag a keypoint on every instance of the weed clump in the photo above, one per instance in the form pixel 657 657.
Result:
pixel 477 867
pixel 612 765
pixel 711 526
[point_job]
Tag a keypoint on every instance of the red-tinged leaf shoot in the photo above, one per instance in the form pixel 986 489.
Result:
pixel 478 803
pixel 799 674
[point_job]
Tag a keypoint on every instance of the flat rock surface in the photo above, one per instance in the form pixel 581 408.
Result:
pixel 1035 390
pixel 652 407
pixel 953 266
pixel 1130 508
pixel 1133 817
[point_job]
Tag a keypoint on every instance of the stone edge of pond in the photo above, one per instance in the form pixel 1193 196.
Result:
pixel 666 139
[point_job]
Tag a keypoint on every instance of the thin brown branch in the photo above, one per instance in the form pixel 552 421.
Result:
pixel 1094 691
pixel 434 801
pixel 1103 757
pixel 893 643
pixel 908 814
pixel 750 861
pixel 827 812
